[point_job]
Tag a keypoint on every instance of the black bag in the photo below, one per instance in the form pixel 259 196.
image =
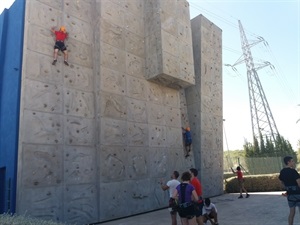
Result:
pixel 185 209
pixel 172 203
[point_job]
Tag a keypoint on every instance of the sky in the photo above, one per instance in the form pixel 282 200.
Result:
pixel 278 23
pixel 5 4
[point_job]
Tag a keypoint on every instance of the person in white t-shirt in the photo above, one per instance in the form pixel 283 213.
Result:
pixel 171 186
pixel 210 212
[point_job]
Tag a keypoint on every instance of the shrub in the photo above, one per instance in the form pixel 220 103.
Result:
pixel 6 219
pixel 255 183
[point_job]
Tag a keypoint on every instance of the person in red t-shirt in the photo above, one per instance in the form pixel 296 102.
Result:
pixel 60 36
pixel 198 187
pixel 241 181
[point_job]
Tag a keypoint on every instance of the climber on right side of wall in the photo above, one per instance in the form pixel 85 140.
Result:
pixel 187 140
pixel 60 36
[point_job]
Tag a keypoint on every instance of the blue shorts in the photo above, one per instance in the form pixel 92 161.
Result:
pixel 60 45
pixel 293 200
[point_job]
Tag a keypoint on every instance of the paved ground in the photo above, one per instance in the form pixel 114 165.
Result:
pixel 263 208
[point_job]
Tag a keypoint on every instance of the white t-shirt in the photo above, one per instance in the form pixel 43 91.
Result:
pixel 207 209
pixel 172 184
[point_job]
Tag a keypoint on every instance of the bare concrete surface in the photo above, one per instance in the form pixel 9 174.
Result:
pixel 261 208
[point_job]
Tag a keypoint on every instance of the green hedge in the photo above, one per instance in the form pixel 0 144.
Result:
pixel 255 183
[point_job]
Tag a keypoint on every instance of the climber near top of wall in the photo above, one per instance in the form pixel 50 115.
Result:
pixel 187 140
pixel 60 36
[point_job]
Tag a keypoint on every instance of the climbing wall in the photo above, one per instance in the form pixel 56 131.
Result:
pixel 100 134
pixel 204 104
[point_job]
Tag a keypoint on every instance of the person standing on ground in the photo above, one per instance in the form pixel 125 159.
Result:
pixel 210 212
pixel 171 186
pixel 291 180
pixel 241 181
pixel 187 197
pixel 60 36
pixel 198 187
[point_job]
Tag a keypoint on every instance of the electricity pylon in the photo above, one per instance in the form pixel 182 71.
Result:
pixel 263 123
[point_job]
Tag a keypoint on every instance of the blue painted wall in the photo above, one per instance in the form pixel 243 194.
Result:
pixel 11 50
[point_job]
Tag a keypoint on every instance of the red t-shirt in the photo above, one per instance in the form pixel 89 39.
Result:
pixel 239 175
pixel 60 36
pixel 197 185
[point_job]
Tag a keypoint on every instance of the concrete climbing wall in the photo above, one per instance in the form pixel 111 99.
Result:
pixel 97 137
pixel 204 104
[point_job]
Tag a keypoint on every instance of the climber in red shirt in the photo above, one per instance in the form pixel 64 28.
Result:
pixel 60 36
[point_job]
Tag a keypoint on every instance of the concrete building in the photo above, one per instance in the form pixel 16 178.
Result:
pixel 93 140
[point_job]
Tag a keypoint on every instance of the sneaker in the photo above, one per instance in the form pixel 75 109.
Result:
pixel 66 63
pixel 247 196
pixel 54 62
pixel 241 196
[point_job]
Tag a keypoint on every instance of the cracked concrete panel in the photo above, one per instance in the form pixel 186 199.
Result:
pixel 135 6
pixel 156 93
pixel 135 66
pixel 39 67
pixel 113 13
pixel 169 22
pixel 172 117
pixel 79 165
pixel 113 163
pixel 43 97
pixel 183 12
pixel 41 41
pixel 133 192
pixel 79 53
pixel 79 9
pixel 193 95
pixel 135 44
pixel 112 34
pixel 112 58
pixel 113 132
pixel 120 193
pixel 80 203
pixel 79 131
pixel 169 6
pixel 171 65
pixel 45 15
pixel 47 167
pixel 185 54
pixel 171 97
pixel 53 3
pixel 170 44
pixel 136 88
pixel 138 134
pixel 187 72
pixel 45 128
pixel 113 106
pixel 78 103
pixel 137 164
pixel 44 203
pixel 158 162
pixel 113 81
pixel 79 30
pixel 174 137
pixel 184 34
pixel 134 23
pixel 156 114
pixel 137 110
pixel 157 136
pixel 79 77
